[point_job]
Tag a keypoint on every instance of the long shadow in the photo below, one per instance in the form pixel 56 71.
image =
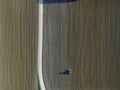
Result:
pixel 55 1
pixel 38 85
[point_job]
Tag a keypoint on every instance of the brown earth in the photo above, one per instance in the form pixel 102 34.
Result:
pixel 18 44
pixel 84 36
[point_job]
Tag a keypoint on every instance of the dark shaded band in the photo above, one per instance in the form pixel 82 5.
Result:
pixel 55 1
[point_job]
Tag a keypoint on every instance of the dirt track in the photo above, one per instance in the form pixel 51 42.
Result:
pixel 82 35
